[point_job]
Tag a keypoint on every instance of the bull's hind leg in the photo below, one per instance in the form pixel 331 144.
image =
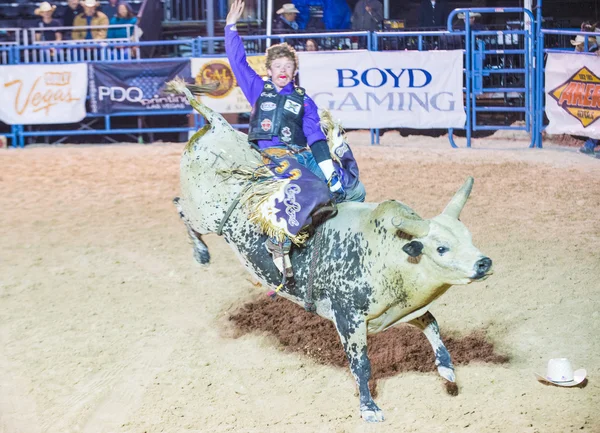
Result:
pixel 201 253
pixel 352 330
pixel 430 328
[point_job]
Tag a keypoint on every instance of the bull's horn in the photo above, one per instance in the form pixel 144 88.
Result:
pixel 460 198
pixel 416 228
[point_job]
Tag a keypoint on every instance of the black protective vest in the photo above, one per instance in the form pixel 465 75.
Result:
pixel 278 115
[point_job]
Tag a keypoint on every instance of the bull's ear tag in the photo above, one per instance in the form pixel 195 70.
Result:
pixel 413 248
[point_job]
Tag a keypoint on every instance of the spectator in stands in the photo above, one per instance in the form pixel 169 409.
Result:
pixel 110 9
pixel 125 15
pixel 311 45
pixel 90 17
pixel 368 15
pixel 286 22
pixel 579 44
pixel 45 11
pixel 473 21
pixel 68 14
pixel 433 13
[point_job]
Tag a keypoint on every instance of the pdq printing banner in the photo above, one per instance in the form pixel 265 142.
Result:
pixel 43 94
pixel 573 94
pixel 117 87
pixel 228 97
pixel 415 89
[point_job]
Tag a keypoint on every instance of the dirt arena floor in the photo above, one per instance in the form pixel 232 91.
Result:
pixel 108 325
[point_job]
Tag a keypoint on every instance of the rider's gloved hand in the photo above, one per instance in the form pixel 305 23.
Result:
pixel 336 187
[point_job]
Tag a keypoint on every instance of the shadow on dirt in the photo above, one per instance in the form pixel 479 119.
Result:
pixel 399 349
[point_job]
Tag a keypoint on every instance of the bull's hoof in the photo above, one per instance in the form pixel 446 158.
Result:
pixel 451 388
pixel 371 413
pixel 202 256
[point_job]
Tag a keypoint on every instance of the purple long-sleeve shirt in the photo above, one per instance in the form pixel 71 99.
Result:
pixel 252 85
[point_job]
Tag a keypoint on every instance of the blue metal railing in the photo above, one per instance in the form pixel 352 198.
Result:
pixel 518 75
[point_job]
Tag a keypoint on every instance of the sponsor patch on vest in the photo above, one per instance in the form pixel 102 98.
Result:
pixel 299 91
pixel 268 106
pixel 268 95
pixel 266 125
pixel 268 86
pixel 292 106
pixel 286 134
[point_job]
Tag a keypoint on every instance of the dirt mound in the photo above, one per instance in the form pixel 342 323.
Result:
pixel 399 349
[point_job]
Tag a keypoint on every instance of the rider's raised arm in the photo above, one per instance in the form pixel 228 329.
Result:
pixel 249 81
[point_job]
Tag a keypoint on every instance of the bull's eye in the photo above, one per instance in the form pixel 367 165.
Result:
pixel 442 250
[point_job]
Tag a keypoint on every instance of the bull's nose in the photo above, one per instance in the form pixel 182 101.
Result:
pixel 482 266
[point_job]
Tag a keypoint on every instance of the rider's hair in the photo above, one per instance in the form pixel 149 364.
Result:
pixel 278 51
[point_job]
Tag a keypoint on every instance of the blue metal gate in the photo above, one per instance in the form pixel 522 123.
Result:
pixel 499 75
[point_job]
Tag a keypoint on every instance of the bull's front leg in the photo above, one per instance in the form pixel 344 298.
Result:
pixel 352 330
pixel 430 328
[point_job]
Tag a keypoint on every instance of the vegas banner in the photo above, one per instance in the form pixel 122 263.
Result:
pixel 119 87
pixel 43 94
pixel 415 89
pixel 573 94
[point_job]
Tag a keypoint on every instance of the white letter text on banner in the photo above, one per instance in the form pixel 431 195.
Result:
pixel 43 94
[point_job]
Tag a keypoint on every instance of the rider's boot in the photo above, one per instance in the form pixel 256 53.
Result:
pixel 280 252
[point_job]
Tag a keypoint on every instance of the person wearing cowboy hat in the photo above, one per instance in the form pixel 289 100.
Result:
pixel 91 16
pixel 579 44
pixel 286 21
pixel 45 11
pixel 473 24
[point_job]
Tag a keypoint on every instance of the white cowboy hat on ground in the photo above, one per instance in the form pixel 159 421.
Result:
pixel 90 3
pixel 561 373
pixel 44 7
pixel 288 8
pixel 461 16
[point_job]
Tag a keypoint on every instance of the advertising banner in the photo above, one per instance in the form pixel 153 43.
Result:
pixel 118 87
pixel 573 94
pixel 415 89
pixel 228 97
pixel 43 94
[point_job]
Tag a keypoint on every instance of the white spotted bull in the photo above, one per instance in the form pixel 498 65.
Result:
pixel 371 267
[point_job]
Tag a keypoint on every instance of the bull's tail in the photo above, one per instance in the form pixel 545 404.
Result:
pixel 179 86
pixel 201 253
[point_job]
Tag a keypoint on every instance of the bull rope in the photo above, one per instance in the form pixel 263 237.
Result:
pixel 309 304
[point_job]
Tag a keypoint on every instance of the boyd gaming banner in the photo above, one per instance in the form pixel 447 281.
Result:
pixel 228 97
pixel 573 94
pixel 387 89
pixel 42 94
pixel 116 87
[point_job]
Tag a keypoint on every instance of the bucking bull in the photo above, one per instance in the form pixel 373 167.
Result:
pixel 370 267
